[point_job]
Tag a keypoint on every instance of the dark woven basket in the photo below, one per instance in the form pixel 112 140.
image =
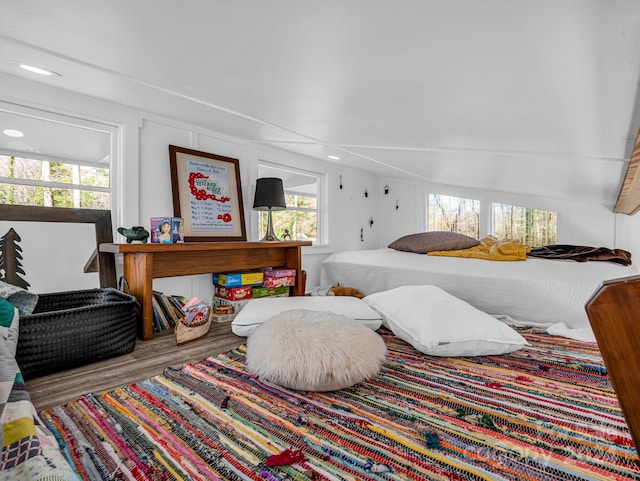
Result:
pixel 74 328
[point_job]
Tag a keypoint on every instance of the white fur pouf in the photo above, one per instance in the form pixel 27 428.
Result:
pixel 314 351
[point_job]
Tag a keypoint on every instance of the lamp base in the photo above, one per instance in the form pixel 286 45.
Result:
pixel 270 236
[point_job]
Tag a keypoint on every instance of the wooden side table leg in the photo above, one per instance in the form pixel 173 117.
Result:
pixel 294 261
pixel 138 269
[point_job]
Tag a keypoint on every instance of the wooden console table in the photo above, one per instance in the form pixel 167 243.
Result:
pixel 144 262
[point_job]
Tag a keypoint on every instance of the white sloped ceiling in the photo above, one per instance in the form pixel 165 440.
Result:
pixel 538 97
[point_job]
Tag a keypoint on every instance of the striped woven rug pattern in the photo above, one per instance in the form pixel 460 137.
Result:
pixel 546 412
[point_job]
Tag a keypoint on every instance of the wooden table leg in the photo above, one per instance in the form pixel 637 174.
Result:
pixel 294 261
pixel 138 270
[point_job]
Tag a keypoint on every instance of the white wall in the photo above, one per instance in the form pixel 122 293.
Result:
pixel 349 210
pixel 142 179
pixel 628 234
pixel 579 223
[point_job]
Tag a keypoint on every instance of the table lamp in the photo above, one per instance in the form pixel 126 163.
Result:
pixel 269 196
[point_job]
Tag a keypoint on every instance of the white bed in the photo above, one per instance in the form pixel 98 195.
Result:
pixel 541 292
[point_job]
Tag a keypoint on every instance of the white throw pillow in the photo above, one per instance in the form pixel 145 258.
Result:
pixel 259 310
pixel 314 351
pixel 437 323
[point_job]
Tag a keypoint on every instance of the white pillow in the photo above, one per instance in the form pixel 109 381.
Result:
pixel 439 324
pixel 314 351
pixel 259 310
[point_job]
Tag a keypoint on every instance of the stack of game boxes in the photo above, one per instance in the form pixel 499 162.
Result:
pixel 232 291
pixel 279 279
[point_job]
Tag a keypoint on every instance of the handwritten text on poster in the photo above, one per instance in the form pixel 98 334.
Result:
pixel 209 196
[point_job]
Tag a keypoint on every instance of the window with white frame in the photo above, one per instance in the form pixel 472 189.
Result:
pixel 302 219
pixel 454 214
pixel 532 227
pixel 54 160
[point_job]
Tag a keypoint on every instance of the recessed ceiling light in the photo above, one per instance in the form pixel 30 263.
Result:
pixel 38 70
pixel 12 133
pixel 333 157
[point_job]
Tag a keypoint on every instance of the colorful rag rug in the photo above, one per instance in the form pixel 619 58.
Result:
pixel 546 412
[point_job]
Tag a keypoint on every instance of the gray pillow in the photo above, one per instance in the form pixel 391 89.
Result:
pixel 424 242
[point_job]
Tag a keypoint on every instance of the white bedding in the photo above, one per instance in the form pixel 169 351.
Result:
pixel 539 292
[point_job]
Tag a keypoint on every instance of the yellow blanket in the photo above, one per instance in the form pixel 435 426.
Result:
pixel 491 249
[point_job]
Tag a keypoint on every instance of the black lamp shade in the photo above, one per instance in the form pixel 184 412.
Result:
pixel 269 194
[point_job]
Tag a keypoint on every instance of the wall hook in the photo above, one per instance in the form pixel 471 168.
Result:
pixel 366 194
pixel 397 204
pixel 340 182
pixel 361 234
pixel 371 222
pixel 386 189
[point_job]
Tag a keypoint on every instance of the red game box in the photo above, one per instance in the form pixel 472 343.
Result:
pixel 233 293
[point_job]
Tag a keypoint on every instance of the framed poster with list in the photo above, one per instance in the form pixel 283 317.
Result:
pixel 207 193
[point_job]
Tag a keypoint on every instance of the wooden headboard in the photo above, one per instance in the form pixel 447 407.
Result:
pixel 614 314
pixel 100 218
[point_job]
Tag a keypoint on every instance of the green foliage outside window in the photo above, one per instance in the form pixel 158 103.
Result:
pixel 299 219
pixel 454 214
pixel 43 183
pixel 532 227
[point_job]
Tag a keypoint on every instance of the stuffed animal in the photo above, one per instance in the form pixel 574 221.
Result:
pixel 339 290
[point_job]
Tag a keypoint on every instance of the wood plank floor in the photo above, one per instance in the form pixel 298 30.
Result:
pixel 148 358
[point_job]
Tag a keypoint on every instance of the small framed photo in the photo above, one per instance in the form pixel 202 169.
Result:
pixel 167 230
pixel 207 194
